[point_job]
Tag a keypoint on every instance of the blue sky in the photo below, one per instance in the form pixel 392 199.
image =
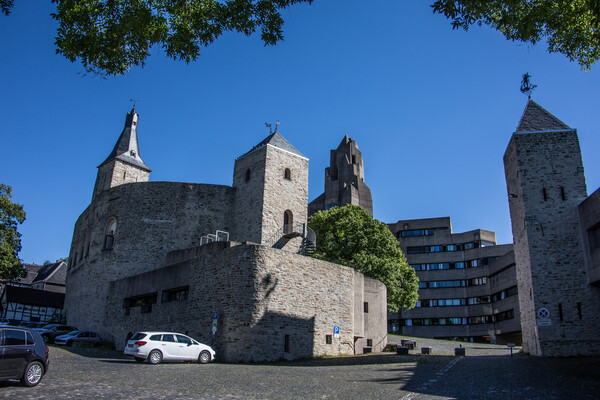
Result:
pixel 431 109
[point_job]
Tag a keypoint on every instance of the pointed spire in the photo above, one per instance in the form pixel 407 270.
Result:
pixel 127 149
pixel 536 119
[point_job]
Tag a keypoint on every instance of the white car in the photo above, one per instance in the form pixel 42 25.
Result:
pixel 168 346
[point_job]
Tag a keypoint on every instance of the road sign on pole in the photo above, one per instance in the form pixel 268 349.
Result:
pixel 214 323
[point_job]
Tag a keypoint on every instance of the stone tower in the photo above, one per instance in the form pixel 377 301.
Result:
pixel 271 183
pixel 344 180
pixel 545 183
pixel 124 164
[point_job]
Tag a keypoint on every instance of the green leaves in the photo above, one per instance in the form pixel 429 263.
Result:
pixel 11 214
pixel 350 236
pixel 569 27
pixel 111 36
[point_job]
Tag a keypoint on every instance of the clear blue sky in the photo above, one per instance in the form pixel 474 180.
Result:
pixel 431 109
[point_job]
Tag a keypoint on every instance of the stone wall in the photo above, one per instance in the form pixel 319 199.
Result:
pixel 153 218
pixel 545 183
pixel 249 182
pixel 262 295
pixel 117 172
pixel 589 220
pixel 282 194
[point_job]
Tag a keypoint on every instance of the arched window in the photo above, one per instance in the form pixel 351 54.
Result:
pixel 288 222
pixel 109 233
pixel 287 174
pixel 247 174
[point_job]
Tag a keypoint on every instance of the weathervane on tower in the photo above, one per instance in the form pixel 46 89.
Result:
pixel 526 86
pixel 270 126
pixel 134 101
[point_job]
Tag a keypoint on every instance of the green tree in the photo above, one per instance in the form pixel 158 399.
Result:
pixel 350 236
pixel 11 214
pixel 570 27
pixel 109 37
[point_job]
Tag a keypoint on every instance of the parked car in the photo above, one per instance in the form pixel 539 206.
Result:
pixel 78 337
pixel 167 346
pixel 23 355
pixel 4 321
pixel 49 332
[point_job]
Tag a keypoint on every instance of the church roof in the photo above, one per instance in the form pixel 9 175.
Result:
pixel 126 149
pixel 536 119
pixel 275 139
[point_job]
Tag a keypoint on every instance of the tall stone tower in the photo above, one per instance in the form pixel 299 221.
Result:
pixel 545 183
pixel 271 183
pixel 344 180
pixel 124 164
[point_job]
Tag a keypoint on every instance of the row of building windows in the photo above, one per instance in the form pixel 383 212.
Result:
pixel 468 301
pixel 452 283
pixel 145 302
pixel 454 265
pixel 477 320
pixel 449 247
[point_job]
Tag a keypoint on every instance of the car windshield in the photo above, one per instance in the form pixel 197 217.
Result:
pixel 49 326
pixel 72 333
pixel 138 336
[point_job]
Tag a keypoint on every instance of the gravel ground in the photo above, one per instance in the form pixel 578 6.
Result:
pixel 487 372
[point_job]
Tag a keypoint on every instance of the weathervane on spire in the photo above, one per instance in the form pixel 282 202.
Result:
pixel 270 126
pixel 134 101
pixel 526 86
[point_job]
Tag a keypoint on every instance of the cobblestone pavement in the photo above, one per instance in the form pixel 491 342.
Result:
pixel 487 372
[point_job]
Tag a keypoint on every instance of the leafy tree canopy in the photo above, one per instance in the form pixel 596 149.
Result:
pixel 11 214
pixel 350 236
pixel 570 27
pixel 111 36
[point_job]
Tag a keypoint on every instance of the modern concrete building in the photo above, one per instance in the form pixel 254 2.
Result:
pixel 467 287
pixel 145 258
pixel 555 228
pixel 344 180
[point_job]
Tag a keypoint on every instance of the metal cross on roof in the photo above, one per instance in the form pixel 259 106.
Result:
pixel 526 86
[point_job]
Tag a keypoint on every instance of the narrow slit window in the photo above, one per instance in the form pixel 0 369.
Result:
pixel 545 193
pixel 560 312
pixel 562 193
pixel 286 344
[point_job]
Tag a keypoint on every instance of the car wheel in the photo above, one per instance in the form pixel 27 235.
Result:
pixel 33 374
pixel 155 357
pixel 204 357
pixel 139 359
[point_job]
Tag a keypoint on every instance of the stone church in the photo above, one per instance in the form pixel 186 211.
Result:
pixel 225 264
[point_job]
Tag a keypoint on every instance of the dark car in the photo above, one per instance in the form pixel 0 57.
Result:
pixel 49 332
pixel 23 355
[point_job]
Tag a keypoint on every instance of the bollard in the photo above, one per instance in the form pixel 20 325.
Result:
pixel 459 351
pixel 402 350
pixel 425 350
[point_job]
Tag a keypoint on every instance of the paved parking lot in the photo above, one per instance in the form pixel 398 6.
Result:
pixel 487 372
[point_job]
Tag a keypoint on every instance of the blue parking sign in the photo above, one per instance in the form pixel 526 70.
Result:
pixel 336 332
pixel 215 315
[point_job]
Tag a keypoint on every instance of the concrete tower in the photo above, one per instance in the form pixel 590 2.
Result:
pixel 545 183
pixel 124 164
pixel 271 183
pixel 344 180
